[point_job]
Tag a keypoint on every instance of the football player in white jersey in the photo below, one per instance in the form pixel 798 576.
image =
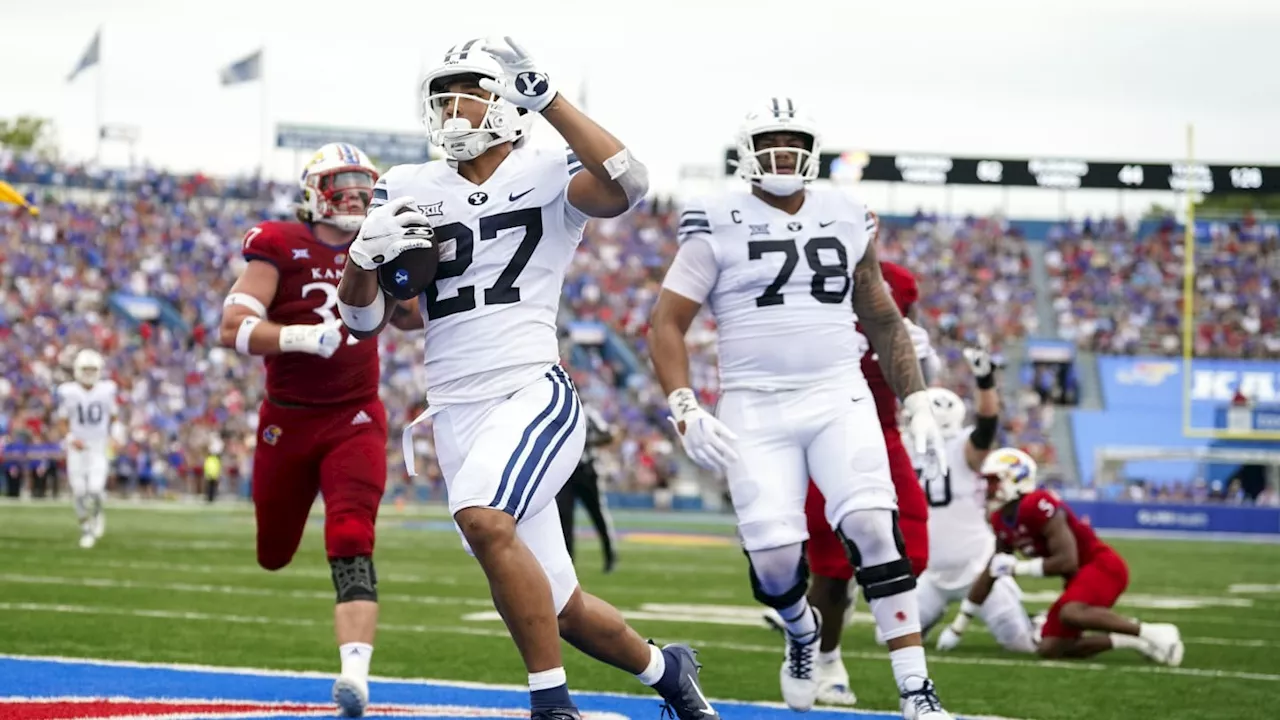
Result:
pixel 508 425
pixel 783 269
pixel 960 539
pixel 86 406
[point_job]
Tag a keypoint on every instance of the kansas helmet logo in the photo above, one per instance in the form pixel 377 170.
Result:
pixel 271 435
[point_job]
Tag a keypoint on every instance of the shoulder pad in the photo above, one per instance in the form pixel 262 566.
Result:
pixel 269 240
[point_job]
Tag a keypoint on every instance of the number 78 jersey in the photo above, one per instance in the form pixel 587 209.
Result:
pixel 783 284
pixel 505 246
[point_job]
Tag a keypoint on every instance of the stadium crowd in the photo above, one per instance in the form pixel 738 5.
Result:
pixel 1116 296
pixel 77 275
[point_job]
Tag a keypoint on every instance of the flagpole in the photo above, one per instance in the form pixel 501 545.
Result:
pixel 99 101
pixel 264 132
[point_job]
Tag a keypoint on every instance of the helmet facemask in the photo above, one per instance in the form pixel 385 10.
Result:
pixel 780 161
pixel 341 197
pixel 87 369
pixel 445 109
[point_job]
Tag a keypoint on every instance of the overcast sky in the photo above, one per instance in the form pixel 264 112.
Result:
pixel 1096 79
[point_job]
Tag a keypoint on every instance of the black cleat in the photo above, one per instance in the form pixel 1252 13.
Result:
pixel 569 713
pixel 684 699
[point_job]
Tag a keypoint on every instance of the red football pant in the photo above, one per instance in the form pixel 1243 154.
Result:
pixel 1100 583
pixel 827 556
pixel 339 452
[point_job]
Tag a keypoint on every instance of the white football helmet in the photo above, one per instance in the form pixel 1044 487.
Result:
pixel 780 170
pixel 948 410
pixel 1010 474
pixel 337 186
pixel 502 121
pixel 87 367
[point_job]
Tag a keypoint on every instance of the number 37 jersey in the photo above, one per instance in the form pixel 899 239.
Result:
pixel 782 286
pixel 505 246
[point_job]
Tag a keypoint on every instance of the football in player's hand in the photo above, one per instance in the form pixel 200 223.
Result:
pixel 408 274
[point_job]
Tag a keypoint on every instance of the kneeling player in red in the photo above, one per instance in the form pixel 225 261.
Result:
pixel 1040 526
pixel 829 590
pixel 321 428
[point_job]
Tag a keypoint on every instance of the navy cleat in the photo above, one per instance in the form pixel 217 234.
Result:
pixel 679 685
pixel 565 713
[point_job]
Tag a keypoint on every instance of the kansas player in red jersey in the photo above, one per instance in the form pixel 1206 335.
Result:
pixel 828 560
pixel 1041 527
pixel 321 427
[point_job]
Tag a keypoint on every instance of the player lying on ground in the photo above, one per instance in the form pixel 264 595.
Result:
pixel 507 421
pixel 830 587
pixel 86 406
pixel 784 269
pixel 321 427
pixel 960 540
pixel 1042 527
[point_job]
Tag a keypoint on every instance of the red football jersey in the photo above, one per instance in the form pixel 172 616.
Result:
pixel 1023 528
pixel 308 295
pixel 905 291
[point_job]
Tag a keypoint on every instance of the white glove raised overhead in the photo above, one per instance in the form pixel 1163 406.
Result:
pixel 923 429
pixel 706 440
pixel 384 234
pixel 322 339
pixel 521 83
pixel 979 362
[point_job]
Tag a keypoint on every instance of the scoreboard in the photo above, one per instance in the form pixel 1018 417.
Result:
pixel 1058 173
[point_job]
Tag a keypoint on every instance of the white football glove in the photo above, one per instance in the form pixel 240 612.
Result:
pixel 521 83
pixel 949 639
pixel 1003 565
pixel 706 440
pixel 323 339
pixel 384 234
pixel 923 429
pixel 979 362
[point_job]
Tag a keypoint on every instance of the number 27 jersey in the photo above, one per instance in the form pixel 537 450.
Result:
pixel 505 246
pixel 783 285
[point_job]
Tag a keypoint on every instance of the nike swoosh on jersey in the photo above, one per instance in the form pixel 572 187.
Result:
pixel 514 197
pixel 824 224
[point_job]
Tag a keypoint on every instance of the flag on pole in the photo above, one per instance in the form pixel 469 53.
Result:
pixel 244 70
pixel 90 57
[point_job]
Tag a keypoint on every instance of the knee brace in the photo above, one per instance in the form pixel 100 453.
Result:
pixel 787 597
pixel 887 580
pixel 354 578
pixel 867 527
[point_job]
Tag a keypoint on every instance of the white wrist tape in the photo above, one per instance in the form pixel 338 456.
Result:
pixel 246 330
pixel 247 300
pixel 364 318
pixel 1030 568
pixel 969 607
pixel 959 625
pixel 630 174
pixel 682 402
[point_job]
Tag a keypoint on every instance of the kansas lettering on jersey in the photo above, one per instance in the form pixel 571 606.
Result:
pixel 505 246
pixel 782 297
pixel 902 286
pixel 88 410
pixel 1022 527
pixel 308 295
pixel 958 532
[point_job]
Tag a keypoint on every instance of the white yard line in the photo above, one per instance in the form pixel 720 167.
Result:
pixel 736 647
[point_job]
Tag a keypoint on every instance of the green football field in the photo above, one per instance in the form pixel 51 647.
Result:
pixel 180 584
